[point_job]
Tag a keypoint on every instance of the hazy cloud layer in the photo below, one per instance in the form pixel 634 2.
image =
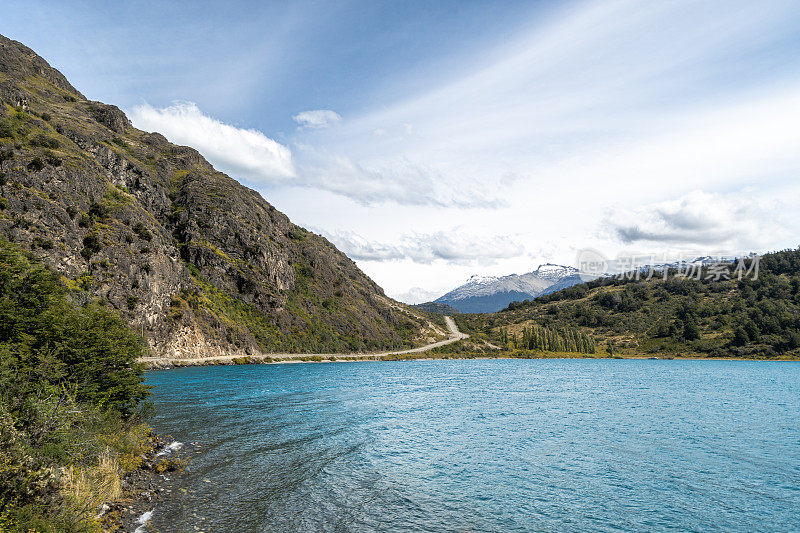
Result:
pixel 242 153
pixel 399 181
pixel 454 246
pixel 317 118
pixel 250 155
pixel 417 295
pixel 732 222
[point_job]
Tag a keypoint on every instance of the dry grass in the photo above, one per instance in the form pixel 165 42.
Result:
pixel 89 487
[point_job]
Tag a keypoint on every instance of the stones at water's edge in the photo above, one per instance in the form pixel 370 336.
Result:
pixel 166 364
pixel 145 486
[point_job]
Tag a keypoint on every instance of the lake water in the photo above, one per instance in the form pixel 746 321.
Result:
pixel 484 445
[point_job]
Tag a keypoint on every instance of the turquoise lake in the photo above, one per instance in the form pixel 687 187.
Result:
pixel 484 445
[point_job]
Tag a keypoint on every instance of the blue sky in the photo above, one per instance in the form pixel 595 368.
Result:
pixel 433 140
pixel 256 64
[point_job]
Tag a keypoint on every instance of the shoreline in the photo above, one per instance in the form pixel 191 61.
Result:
pixel 168 363
pixel 145 486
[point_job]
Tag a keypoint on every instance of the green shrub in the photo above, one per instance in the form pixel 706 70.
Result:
pixel 71 393
pixel 52 159
pixel 41 242
pixel 36 164
pixel 142 231
pixel 43 140
pixel 6 130
pixel 98 212
pixel 91 245
pixel 115 199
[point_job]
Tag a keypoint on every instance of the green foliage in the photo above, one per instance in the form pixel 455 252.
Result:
pixel 550 340
pixel 297 233
pixel 751 317
pixel 52 159
pixel 47 340
pixel 98 212
pixel 24 480
pixel 115 199
pixel 120 142
pixel 143 233
pixel 70 387
pixel 91 245
pixel 740 337
pixel 14 126
pixel 45 141
pixel 36 164
pixel 302 331
pixel 41 242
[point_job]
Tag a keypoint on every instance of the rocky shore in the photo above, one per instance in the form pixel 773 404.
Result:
pixel 146 486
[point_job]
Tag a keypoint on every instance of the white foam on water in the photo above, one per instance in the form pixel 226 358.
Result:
pixel 169 448
pixel 143 520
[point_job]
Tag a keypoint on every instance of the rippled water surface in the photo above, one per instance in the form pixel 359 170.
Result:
pixel 500 445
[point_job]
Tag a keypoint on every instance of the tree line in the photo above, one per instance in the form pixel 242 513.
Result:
pixel 545 339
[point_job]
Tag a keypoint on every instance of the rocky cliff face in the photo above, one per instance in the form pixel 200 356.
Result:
pixel 198 263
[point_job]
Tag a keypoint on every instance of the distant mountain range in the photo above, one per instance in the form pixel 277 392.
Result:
pixel 486 294
pixel 687 311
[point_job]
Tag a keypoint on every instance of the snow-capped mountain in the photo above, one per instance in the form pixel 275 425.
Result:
pixel 486 294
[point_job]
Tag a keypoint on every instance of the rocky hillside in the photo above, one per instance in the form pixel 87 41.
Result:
pixel 196 262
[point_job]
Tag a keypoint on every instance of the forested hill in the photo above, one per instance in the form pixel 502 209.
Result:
pixel 702 314
pixel 195 261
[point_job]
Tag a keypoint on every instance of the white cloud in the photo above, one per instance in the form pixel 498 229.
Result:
pixel 317 118
pixel 700 221
pixel 456 246
pixel 597 94
pixel 242 153
pixel 250 155
pixel 397 181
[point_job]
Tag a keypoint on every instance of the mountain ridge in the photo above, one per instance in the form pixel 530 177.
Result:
pixel 486 294
pixel 198 263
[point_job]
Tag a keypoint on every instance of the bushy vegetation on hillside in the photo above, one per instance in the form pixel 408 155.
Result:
pixel 71 401
pixel 756 316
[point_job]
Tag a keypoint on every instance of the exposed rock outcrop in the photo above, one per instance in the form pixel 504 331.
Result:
pixel 196 262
